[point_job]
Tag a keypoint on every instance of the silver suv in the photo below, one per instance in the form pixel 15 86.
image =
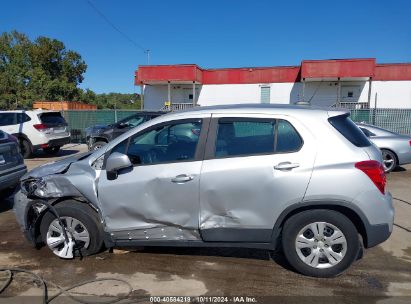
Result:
pixel 302 179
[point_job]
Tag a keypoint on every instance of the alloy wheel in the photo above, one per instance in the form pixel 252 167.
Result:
pixel 389 160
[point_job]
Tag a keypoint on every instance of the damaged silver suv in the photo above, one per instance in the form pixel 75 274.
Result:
pixel 302 179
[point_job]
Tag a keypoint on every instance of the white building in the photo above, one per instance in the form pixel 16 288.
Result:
pixel 352 83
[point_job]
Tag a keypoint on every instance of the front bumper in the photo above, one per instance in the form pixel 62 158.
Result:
pixel 12 177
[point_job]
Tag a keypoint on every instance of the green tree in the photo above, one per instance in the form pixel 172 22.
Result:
pixel 39 69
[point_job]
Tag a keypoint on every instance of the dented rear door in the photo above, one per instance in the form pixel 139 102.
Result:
pixel 245 181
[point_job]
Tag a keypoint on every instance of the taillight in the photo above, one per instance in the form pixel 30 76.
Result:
pixel 40 127
pixel 410 143
pixel 375 171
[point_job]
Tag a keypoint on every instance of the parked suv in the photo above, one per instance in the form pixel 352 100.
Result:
pixel 256 176
pixel 99 135
pixel 36 129
pixel 11 163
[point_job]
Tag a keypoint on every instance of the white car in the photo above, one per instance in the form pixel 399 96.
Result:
pixel 36 129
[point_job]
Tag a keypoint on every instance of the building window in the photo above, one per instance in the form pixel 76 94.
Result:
pixel 350 94
pixel 265 94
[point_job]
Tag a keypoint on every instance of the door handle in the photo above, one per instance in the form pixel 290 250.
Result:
pixel 285 166
pixel 182 178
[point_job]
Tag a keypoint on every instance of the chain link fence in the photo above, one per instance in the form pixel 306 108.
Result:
pixel 397 120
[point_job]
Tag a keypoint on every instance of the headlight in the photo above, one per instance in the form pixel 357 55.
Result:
pixel 40 188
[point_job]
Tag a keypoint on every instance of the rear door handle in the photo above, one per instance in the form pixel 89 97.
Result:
pixel 182 178
pixel 285 166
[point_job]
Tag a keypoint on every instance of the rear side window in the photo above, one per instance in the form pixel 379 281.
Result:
pixel 235 138
pixel 288 139
pixel 52 118
pixel 349 130
pixel 7 119
pixel 367 132
pixel 22 118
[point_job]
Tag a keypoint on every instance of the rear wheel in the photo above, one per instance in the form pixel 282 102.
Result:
pixel 25 148
pixel 390 160
pixel 320 243
pixel 81 224
pixel 52 150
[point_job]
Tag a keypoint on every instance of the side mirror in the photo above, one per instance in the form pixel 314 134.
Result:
pixel 116 162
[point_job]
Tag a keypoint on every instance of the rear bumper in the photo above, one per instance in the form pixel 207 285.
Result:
pixel 56 142
pixel 404 158
pixel 381 231
pixel 376 234
pixel 11 178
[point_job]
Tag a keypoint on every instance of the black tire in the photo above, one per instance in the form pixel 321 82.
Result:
pixel 97 145
pixel 297 222
pixel 25 148
pixel 86 215
pixel 52 150
pixel 389 155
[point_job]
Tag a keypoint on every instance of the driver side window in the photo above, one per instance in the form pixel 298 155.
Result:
pixel 168 143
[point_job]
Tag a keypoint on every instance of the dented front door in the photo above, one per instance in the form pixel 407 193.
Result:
pixel 158 198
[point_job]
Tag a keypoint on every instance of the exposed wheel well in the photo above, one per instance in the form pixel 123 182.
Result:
pixel 351 214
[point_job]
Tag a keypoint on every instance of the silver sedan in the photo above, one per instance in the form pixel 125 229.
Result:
pixel 395 148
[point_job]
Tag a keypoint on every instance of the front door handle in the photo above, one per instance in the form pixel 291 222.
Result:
pixel 182 178
pixel 285 166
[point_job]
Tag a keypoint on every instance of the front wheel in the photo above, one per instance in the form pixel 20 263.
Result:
pixel 320 243
pixel 81 224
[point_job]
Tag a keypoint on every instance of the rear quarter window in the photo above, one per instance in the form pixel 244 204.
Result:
pixel 344 125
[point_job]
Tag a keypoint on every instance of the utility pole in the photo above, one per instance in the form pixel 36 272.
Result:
pixel 148 56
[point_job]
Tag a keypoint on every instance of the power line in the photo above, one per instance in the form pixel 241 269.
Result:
pixel 100 13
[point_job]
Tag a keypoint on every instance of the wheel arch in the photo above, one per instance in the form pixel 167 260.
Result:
pixel 352 212
pixel 34 219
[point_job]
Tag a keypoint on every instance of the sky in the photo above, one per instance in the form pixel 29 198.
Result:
pixel 212 34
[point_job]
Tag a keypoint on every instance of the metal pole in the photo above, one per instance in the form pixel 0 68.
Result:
pixel 339 92
pixel 142 97
pixel 375 109
pixel 148 56
pixel 169 94
pixel 303 90
pixel 115 111
pixel 194 93
pixel 369 92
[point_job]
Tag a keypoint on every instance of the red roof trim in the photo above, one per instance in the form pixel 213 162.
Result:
pixel 343 68
pixel 393 71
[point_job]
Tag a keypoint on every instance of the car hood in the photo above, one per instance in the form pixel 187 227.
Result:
pixel 55 167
